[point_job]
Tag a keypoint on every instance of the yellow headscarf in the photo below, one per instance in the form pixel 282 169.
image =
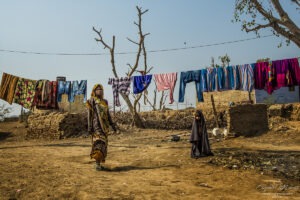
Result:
pixel 93 94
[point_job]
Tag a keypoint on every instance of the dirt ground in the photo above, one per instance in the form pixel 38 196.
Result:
pixel 146 164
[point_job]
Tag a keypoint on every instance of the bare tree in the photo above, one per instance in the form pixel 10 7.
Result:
pixel 272 15
pixel 132 68
pixel 162 101
pixel 212 61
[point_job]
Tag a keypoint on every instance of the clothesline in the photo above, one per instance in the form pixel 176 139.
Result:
pixel 237 77
pixel 269 75
pixel 125 53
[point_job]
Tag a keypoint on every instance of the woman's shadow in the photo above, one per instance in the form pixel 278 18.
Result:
pixel 129 168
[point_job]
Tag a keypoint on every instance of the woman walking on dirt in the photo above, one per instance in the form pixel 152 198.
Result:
pixel 99 120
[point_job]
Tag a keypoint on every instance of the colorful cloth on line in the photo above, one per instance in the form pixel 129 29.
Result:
pixel 45 95
pixel 140 83
pixel 7 87
pixel 64 87
pixel 276 74
pixel 166 82
pixel 187 77
pixel 120 85
pixel 78 89
pixel 25 92
pixel 246 77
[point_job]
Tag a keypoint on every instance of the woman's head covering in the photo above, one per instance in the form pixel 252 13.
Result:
pixel 93 94
pixel 198 115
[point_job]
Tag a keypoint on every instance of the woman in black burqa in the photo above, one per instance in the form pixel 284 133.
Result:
pixel 199 137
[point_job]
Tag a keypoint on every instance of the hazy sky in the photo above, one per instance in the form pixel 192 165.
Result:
pixel 65 26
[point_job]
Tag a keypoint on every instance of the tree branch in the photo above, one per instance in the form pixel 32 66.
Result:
pixel 281 26
pixel 296 2
pixel 258 27
pixel 111 49
pixel 133 41
pixel 285 19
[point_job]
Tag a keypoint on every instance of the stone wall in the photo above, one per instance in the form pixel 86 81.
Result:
pixel 56 125
pixel 248 120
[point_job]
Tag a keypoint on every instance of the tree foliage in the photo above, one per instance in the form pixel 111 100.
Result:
pixel 256 15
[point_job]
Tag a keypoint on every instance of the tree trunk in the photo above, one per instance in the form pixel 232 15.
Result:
pixel 137 121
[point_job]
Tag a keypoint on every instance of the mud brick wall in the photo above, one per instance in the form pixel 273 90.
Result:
pixel 288 111
pixel 223 98
pixel 172 119
pixel 247 120
pixel 56 125
pixel 78 106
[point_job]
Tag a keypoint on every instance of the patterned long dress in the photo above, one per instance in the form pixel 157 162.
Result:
pixel 99 120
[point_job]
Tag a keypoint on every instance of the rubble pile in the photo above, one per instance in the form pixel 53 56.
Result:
pixel 282 164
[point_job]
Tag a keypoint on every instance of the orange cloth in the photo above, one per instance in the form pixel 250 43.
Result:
pixel 8 87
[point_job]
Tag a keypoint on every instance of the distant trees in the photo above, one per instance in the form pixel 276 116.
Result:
pixel 225 60
pixel 263 60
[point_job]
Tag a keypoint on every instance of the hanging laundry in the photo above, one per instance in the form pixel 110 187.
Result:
pixel 166 82
pixel 246 77
pixel 24 93
pixel 203 81
pixel 7 87
pixel 78 89
pixel 271 82
pixel 120 85
pixel 237 77
pixel 287 72
pixel 64 87
pixel 140 83
pixel 187 77
pixel 294 72
pixel 261 75
pixel 220 79
pixel 230 77
pixel 45 94
pixel 211 79
pixel 53 101
pixel 226 79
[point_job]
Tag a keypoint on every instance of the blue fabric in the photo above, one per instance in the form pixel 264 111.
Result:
pixel 221 78
pixel 211 80
pixel 230 77
pixel 204 87
pixel 78 89
pixel 187 77
pixel 64 87
pixel 237 81
pixel 140 83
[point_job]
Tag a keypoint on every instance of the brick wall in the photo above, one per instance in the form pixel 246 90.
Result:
pixel 248 120
pixel 223 98
pixel 75 107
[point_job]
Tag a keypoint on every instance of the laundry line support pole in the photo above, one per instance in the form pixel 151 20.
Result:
pixel 214 110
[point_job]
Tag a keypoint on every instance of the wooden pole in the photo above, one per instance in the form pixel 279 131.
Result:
pixel 214 109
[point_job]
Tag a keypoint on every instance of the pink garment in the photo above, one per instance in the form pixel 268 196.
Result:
pixel 165 82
